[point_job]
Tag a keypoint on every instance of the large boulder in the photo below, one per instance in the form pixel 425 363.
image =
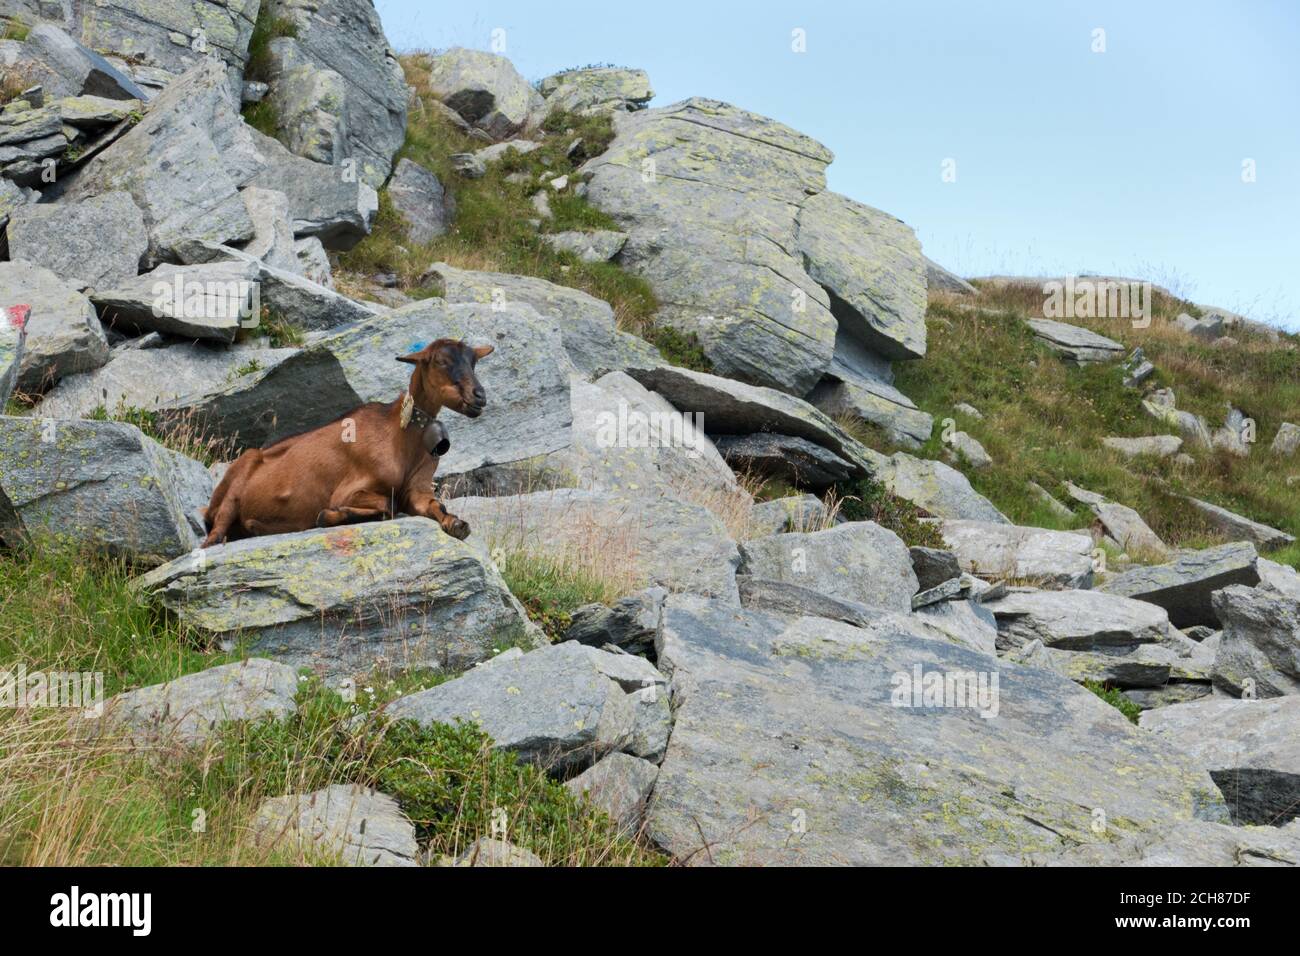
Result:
pixel 343 823
pixel 1079 345
pixel 1048 558
pixel 190 709
pixel 813 742
pixel 1241 528
pixel 1259 653
pixel 1122 524
pixel 212 301
pixel 857 561
pixel 421 201
pixel 342 600
pixel 485 89
pixel 1192 844
pixel 1250 747
pixel 679 546
pixel 785 458
pixel 64 336
pixel 860 390
pixel 597 90
pixel 586 323
pixel 102 484
pixel 1183 587
pixel 94 244
pixel 619 785
pixel 63 67
pixel 343 43
pixel 939 279
pixel 939 489
pixel 562 707
pixel 1076 620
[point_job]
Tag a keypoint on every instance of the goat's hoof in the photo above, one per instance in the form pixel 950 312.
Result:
pixel 456 528
pixel 322 520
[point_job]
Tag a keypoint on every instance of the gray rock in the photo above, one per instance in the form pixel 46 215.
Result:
pixel 963 447
pixel 947 591
pixel 1191 427
pixel 273 241
pixel 620 785
pixel 1079 345
pixel 794 600
pixel 1124 525
pixel 63 333
pixel 1047 498
pixel 870 262
pixel 468 165
pixel 99 483
pixel 1137 369
pixel 1149 698
pixel 210 301
pixel 734 408
pixel 313 262
pixel 484 89
pixel 1157 446
pixel 1183 586
pixel 1259 653
pixel 342 600
pixel 1050 558
pixel 597 90
pixel 182 164
pixel 561 707
pixel 939 279
pixel 969 410
pixel 710 197
pixel 499 151
pixel 420 199
pixel 356 826
pixel 1206 329
pixel 630 623
pixel 96 243
pixel 1250 747
pixel 13 338
pixel 937 488
pixel 848 390
pixel 63 67
pixel 933 566
pixel 1077 620
pixel 339 48
pixel 1186 845
pixel 855 561
pixel 752 775
pixel 801 513
pixel 1287 439
pixel 599 245
pixel 1241 528
pixel 1279 578
pixel 967 623
pixel 488 852
pixel 189 709
pixel 783 458
pixel 586 323
pixel 683 547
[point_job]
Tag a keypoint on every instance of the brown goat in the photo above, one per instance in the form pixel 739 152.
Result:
pixel 377 461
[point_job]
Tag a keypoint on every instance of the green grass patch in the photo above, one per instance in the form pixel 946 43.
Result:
pixel 1116 699
pixel 865 499
pixel 551 589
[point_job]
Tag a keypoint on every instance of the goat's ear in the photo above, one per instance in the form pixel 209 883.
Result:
pixel 483 351
pixel 411 358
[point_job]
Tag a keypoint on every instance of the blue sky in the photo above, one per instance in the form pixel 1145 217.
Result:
pixel 1127 161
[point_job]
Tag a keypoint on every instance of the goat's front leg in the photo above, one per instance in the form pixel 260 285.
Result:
pixel 421 501
pixel 355 508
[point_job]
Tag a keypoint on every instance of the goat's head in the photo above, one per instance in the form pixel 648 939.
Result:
pixel 444 377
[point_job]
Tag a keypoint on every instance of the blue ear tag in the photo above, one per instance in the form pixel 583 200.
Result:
pixel 416 347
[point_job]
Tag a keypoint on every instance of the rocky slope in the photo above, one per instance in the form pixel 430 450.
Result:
pixel 876 666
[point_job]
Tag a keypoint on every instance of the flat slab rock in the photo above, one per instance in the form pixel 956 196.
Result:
pixel 561 707
pixel 190 709
pixel 1183 587
pixel 618 784
pixel 795 744
pixel 1077 620
pixel 344 823
pixel 343 599
pixel 1250 747
pixel 1240 527
pixel 939 489
pixel 1076 343
pixel 1049 558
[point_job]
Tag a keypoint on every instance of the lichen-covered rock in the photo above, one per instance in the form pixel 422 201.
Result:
pixel 212 301
pixel 343 599
pixel 1259 652
pixel 1076 620
pixel 190 709
pixel 64 336
pixel 421 200
pixel 102 484
pixel 1287 440
pixel 342 823
pixel 1183 587
pixel 849 390
pixel 619 784
pixel 485 89
pixel 941 490
pixel 964 448
pixel 631 623
pixel 488 852
pixel 1050 558
pixel 96 243
pixel 804 743
pixel 1240 527
pixel 799 513
pixel 786 458
pixel 597 90
pixel 598 245
pixel 1157 446
pixel 679 546
pixel 1122 524
pixel 1250 747
pixel 561 707
pixel 1079 345
pixel 939 279
pixel 13 338
pixel 933 566
pixel 63 67
pixel 1191 844
pixel 857 561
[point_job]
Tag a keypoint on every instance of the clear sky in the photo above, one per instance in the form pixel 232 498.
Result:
pixel 1128 161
